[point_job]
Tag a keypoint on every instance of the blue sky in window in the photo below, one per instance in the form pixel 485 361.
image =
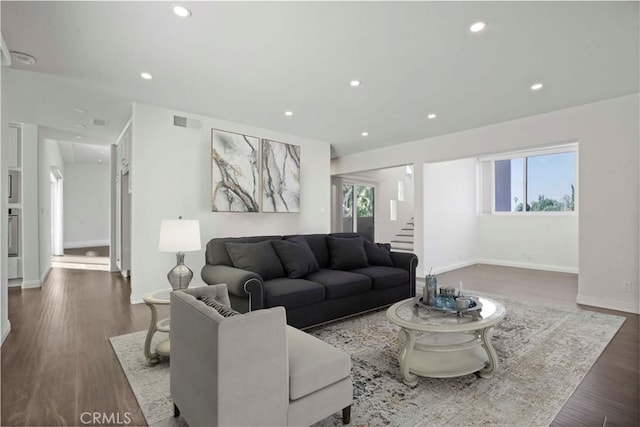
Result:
pixel 550 175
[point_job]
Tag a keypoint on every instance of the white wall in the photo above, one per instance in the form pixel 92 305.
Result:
pixel 450 214
pixel 5 325
pixel 387 186
pixel 543 242
pixel 29 213
pixel 86 204
pixel 49 155
pixel 171 173
pixel 608 136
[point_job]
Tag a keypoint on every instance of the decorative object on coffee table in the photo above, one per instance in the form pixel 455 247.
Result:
pixel 179 236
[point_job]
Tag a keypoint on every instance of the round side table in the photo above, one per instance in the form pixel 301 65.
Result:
pixel 153 299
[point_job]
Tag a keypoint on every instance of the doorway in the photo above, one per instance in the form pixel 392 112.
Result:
pixel 358 209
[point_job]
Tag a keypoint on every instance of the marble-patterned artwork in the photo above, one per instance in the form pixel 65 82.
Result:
pixel 235 174
pixel 280 177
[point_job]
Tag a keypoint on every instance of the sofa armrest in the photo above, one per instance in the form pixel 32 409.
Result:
pixel 246 290
pixel 407 261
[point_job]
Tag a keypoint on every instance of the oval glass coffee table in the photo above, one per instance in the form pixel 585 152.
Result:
pixel 441 344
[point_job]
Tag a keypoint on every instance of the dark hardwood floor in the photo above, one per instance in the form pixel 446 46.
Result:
pixel 57 362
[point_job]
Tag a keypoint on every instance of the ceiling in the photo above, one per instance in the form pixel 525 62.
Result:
pixel 249 62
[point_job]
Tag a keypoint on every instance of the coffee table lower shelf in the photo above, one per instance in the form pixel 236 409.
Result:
pixel 444 355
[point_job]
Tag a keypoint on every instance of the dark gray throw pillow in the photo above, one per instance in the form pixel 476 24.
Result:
pixel 257 257
pixel 346 253
pixel 296 256
pixel 378 253
pixel 220 308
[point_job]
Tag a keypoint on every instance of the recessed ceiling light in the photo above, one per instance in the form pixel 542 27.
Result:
pixel 80 110
pixel 536 86
pixel 99 160
pixel 431 116
pixel 79 137
pixel 181 11
pixel 79 126
pixel 477 27
pixel 365 133
pixel 354 83
pixel 288 113
pixel 146 76
pixel 102 152
pixel 23 58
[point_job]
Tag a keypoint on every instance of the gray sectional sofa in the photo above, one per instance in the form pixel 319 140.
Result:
pixel 315 277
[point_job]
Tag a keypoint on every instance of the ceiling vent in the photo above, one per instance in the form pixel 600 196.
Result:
pixel 100 122
pixel 185 122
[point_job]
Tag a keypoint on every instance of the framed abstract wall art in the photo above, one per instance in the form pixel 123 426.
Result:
pixel 280 177
pixel 235 172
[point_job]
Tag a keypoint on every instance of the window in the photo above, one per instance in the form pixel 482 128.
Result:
pixel 535 183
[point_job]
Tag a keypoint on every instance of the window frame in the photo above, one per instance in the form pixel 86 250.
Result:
pixel 557 149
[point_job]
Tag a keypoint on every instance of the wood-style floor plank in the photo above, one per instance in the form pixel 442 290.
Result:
pixel 57 362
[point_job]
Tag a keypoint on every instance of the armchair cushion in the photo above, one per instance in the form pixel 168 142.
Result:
pixel 224 310
pixel 346 253
pixel 313 364
pixel 257 257
pixel 296 256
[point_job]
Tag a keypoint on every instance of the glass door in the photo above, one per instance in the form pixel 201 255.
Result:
pixel 358 209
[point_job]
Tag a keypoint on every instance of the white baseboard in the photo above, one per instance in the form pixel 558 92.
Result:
pixel 28 284
pixel 6 328
pixel 86 244
pixel 531 266
pixel 628 307
pixel 45 273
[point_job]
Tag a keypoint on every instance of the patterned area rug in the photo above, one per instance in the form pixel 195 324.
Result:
pixel 544 352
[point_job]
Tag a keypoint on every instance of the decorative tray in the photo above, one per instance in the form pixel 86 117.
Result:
pixel 476 307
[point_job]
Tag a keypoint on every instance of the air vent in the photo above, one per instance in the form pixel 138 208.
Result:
pixel 100 122
pixel 185 122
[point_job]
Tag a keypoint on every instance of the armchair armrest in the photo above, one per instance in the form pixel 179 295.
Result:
pixel 409 262
pixel 246 291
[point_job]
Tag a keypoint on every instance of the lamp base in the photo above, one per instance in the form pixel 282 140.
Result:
pixel 180 276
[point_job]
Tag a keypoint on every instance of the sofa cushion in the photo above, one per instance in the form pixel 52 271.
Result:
pixel 384 277
pixel 313 364
pixel 220 308
pixel 258 257
pixel 217 253
pixel 318 245
pixel 292 293
pixel 341 283
pixel 296 256
pixel 346 253
pixel 378 253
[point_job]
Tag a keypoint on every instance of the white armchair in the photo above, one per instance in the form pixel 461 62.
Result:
pixel 251 369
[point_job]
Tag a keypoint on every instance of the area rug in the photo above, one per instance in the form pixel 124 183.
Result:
pixel 544 351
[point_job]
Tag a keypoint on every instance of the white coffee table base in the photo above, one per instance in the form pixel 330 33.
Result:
pixel 445 355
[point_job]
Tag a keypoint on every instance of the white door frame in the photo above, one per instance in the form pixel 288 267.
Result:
pixel 57 218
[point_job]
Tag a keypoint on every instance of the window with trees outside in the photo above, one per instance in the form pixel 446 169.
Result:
pixel 535 183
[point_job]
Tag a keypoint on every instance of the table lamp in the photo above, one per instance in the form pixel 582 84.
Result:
pixel 179 236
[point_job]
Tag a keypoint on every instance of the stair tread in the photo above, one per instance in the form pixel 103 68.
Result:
pixel 402 241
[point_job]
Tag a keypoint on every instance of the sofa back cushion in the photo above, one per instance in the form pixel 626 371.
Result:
pixel 217 254
pixel 318 245
pixel 346 253
pixel 296 257
pixel 378 253
pixel 259 257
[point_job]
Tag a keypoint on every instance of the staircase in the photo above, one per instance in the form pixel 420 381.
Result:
pixel 403 240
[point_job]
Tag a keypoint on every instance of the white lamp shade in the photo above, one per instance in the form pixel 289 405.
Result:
pixel 179 235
